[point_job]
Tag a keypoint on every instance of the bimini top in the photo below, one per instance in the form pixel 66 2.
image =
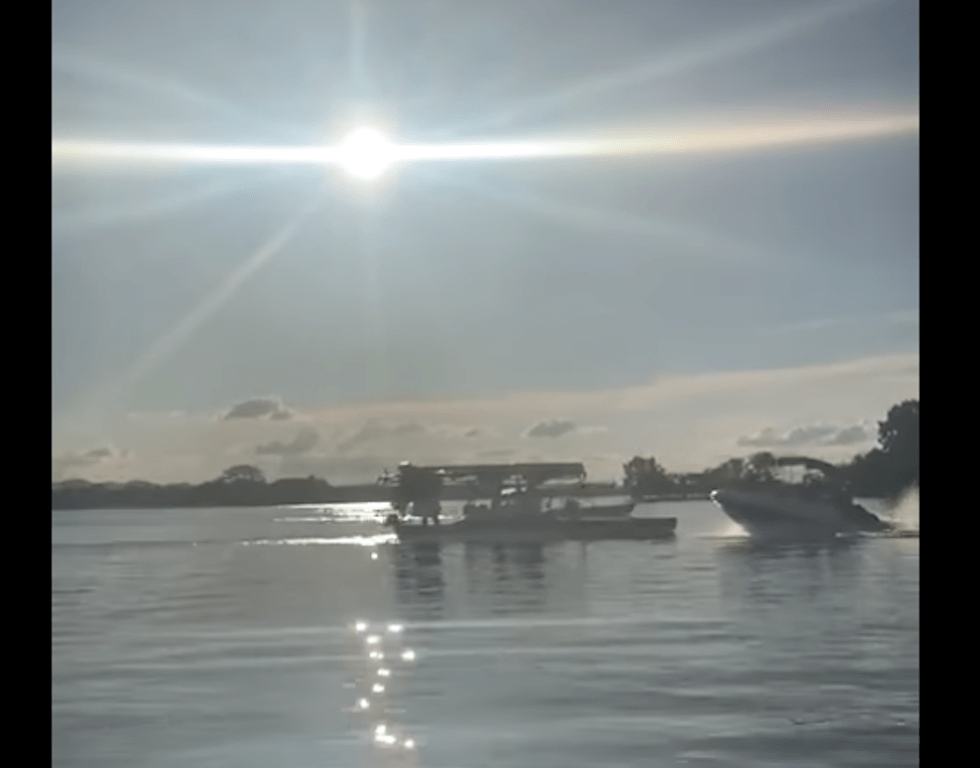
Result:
pixel 532 473
pixel 805 461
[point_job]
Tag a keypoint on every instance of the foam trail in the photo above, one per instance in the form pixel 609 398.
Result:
pixel 906 511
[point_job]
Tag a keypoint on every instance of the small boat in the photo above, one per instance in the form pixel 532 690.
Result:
pixel 820 507
pixel 518 508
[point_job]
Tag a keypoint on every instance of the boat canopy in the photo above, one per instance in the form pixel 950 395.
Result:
pixel 532 473
pixel 805 461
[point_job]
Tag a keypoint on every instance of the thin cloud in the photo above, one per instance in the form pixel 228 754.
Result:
pixel 62 464
pixel 500 453
pixel 259 408
pixel 304 441
pixel 373 432
pixel 811 434
pixel 553 428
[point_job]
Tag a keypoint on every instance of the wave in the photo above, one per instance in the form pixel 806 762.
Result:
pixel 363 541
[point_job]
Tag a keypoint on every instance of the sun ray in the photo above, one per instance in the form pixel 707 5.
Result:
pixel 168 343
pixel 721 248
pixel 125 75
pixel 673 63
pixel 73 223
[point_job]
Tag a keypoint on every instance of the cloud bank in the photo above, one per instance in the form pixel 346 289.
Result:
pixel 687 422
pixel 809 435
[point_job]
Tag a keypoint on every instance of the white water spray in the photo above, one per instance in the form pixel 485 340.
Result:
pixel 905 512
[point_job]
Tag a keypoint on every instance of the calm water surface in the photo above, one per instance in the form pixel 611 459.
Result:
pixel 230 638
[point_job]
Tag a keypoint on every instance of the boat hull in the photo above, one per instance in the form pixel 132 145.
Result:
pixel 636 529
pixel 775 516
pixel 607 512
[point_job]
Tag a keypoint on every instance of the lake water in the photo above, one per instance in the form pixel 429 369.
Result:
pixel 230 638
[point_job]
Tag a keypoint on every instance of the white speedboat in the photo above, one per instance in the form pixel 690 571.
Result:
pixel 773 509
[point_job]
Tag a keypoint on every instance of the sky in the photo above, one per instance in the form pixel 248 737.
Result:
pixel 739 273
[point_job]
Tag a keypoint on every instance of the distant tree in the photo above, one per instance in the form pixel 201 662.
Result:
pixel 886 471
pixel 241 472
pixel 299 490
pixel 898 436
pixel 645 476
pixel 900 429
pixel 733 469
pixel 868 474
pixel 760 466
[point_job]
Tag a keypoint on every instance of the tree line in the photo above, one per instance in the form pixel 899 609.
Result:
pixel 239 486
pixel 885 471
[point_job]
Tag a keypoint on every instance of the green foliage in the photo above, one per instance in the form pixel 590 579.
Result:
pixel 645 477
pixel 242 473
pixel 887 471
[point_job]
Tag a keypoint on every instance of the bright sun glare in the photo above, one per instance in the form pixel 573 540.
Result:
pixel 365 154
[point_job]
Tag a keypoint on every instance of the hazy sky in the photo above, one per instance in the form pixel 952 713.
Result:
pixel 692 304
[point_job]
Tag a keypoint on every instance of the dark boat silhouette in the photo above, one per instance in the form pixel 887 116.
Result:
pixel 519 506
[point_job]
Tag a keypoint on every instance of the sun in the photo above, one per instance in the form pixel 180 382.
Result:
pixel 365 154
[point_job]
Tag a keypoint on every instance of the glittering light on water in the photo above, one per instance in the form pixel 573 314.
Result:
pixel 396 627
pixel 376 656
pixel 372 640
pixel 377 688
pixel 363 703
pixel 384 672
pixel 408 655
pixel 360 626
pixel 409 744
pixel 374 555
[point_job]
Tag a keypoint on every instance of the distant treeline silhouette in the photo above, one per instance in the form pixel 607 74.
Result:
pixel 238 486
pixel 883 472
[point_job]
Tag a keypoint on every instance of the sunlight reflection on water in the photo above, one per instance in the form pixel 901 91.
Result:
pixel 385 734
pixel 703 651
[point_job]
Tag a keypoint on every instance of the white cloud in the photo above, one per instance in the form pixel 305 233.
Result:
pixel 853 435
pixel 551 428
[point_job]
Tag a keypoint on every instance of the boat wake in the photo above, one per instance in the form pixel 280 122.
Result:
pixel 361 541
pixel 905 513
pixel 335 514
